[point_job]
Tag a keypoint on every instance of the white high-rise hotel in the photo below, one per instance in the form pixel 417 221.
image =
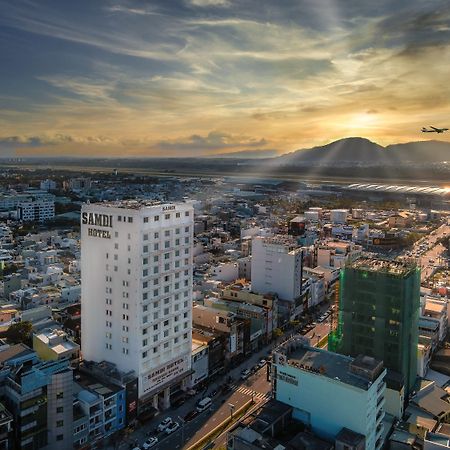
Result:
pixel 136 266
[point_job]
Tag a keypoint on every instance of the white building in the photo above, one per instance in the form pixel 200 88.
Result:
pixel 136 269
pixel 48 185
pixel 338 216
pixel 277 267
pixel 36 210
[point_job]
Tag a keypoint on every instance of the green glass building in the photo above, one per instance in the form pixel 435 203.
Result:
pixel 378 314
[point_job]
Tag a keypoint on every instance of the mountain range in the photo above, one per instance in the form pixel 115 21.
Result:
pixel 361 151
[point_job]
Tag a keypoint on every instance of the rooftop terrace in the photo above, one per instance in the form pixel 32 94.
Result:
pixel 390 267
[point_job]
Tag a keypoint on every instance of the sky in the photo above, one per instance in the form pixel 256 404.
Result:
pixel 198 77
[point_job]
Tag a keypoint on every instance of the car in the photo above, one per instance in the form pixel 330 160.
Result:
pixel 172 427
pixel 262 363
pixel 191 415
pixel 150 442
pixel 226 388
pixel 245 374
pixel 314 324
pixel 178 402
pixel 164 424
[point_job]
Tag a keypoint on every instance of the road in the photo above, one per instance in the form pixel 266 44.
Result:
pixel 242 391
pixel 430 256
pixel 256 387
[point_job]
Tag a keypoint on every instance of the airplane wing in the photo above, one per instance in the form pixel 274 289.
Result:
pixel 434 128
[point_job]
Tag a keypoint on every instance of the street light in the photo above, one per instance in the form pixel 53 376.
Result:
pixel 231 410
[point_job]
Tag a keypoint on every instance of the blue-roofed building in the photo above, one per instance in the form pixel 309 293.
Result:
pixel 329 392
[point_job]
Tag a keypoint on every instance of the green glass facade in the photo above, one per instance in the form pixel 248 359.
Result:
pixel 378 314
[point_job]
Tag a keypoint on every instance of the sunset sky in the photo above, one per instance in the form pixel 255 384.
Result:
pixel 196 77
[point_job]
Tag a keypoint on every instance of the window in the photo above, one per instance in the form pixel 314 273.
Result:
pixel 155 338
pixel 177 231
pixel 145 219
pixel 155 349
pixel 166 311
pixel 166 244
pixel 60 437
pixel 60 395
pixel 60 409
pixel 166 323
pixel 144 354
pixel 186 213
pixel 166 255
pixel 156 246
pixel 156 235
pixel 155 292
pixel 177 215
pixel 145 249
pixel 144 342
pixel 156 258
pixel 166 333
pixel 144 319
pixel 155 327
pixel 186 230
pixel 166 344
pixel 144 331
pixel 156 218
pixel 119 219
pixel 167 233
pixel 167 216
pixel 145 308
pixel 130 220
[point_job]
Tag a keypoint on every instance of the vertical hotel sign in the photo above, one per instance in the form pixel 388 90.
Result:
pixel 94 220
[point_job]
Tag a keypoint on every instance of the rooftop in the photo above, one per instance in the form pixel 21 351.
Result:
pixel 135 204
pixel 359 372
pixel 383 266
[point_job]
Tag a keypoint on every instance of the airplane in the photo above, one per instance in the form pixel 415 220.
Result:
pixel 434 130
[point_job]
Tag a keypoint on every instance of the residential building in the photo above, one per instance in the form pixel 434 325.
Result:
pixel 52 344
pixel 6 428
pixel 277 264
pixel 136 256
pixel 379 314
pixel 36 209
pixel 39 395
pixel 329 392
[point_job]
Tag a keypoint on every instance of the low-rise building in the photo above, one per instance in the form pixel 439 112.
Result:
pixel 328 391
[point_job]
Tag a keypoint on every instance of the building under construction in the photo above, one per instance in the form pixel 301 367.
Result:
pixel 378 314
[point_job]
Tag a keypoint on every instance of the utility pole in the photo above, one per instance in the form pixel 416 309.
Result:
pixel 231 410
pixel 182 431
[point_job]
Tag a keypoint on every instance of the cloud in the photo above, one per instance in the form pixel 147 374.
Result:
pixel 207 3
pixel 215 140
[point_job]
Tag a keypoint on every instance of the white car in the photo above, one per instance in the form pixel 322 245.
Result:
pixel 164 424
pixel 150 442
pixel 172 427
pixel 262 363
pixel 245 374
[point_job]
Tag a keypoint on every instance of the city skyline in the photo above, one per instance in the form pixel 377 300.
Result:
pixel 199 77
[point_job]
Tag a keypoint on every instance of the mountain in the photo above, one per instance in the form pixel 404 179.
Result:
pixel 356 151
pixel 246 154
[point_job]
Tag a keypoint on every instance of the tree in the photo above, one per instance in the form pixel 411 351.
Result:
pixel 19 333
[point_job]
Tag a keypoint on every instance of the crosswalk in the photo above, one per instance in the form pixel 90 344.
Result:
pixel 251 392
